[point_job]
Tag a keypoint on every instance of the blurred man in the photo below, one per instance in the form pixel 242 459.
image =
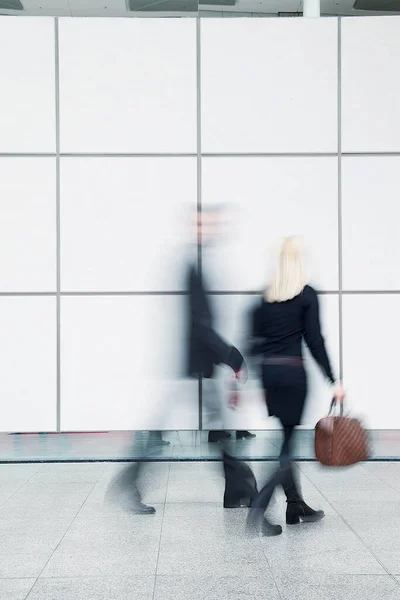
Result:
pixel 206 348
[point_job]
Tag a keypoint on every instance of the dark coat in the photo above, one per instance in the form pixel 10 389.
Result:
pixel 205 347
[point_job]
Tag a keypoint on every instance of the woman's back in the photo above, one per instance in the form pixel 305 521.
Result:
pixel 279 328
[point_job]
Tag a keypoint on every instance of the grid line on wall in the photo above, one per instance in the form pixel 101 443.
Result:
pixel 186 293
pixel 340 220
pixel 199 186
pixel 58 224
pixel 58 155
pixel 191 154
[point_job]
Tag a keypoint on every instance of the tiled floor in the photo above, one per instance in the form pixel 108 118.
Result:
pixel 186 445
pixel 63 538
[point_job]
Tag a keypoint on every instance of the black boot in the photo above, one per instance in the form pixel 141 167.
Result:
pixel 245 435
pixel 258 523
pixel 269 529
pixel 240 483
pixel 298 510
pixel 139 508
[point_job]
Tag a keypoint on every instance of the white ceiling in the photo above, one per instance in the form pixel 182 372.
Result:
pixel 117 8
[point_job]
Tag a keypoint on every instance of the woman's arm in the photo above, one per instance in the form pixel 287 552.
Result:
pixel 255 339
pixel 313 336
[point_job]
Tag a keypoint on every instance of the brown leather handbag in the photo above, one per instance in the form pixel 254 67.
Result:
pixel 340 441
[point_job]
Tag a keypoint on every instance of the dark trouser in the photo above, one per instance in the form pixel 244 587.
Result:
pixel 127 481
pixel 284 475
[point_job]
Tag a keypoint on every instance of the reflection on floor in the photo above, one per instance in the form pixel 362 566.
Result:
pixel 183 445
pixel 60 538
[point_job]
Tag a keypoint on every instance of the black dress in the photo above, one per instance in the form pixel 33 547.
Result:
pixel 278 331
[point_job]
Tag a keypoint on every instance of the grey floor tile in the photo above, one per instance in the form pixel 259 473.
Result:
pixel 84 588
pixel 8 489
pixel 388 472
pixel 126 525
pixel 15 589
pixel 336 586
pixel 196 491
pixel 199 510
pixel 23 564
pixel 69 473
pixel 367 508
pixel 331 532
pixel 320 547
pixel 183 472
pixel 383 493
pixel 216 588
pixel 87 550
pixel 378 531
pixel 341 560
pixel 352 478
pixel 115 560
pixel 212 557
pixel 16 472
pixel 228 526
pixel 27 544
pixel 390 558
pixel 36 500
pixel 383 470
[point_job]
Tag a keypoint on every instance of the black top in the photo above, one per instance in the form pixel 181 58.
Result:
pixel 206 348
pixel 278 329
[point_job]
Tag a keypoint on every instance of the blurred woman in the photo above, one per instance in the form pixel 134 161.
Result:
pixel 288 314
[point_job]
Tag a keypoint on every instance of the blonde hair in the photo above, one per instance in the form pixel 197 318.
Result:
pixel 289 278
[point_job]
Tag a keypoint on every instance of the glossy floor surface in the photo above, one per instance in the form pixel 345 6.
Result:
pixel 63 538
pixel 183 445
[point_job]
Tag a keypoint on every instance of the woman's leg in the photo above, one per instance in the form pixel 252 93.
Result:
pixel 297 510
pixel 290 485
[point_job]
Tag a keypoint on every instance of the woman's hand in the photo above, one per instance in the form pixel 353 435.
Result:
pixel 338 392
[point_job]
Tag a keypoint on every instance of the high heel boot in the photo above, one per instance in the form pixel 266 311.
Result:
pixel 298 510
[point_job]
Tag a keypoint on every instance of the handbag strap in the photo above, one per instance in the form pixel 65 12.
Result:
pixel 332 406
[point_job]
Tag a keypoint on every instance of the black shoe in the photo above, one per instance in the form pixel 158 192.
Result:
pixel 218 436
pixel 155 439
pixel 245 435
pixel 241 503
pixel 143 509
pixel 298 510
pixel 270 530
pixel 157 442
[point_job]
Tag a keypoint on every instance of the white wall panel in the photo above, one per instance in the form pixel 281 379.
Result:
pixel 27 224
pixel 128 85
pixel 27 80
pixel 265 87
pixel 371 84
pixel 233 313
pixel 123 364
pixel 125 222
pixel 270 198
pixel 28 379
pixel 370 358
pixel 371 214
